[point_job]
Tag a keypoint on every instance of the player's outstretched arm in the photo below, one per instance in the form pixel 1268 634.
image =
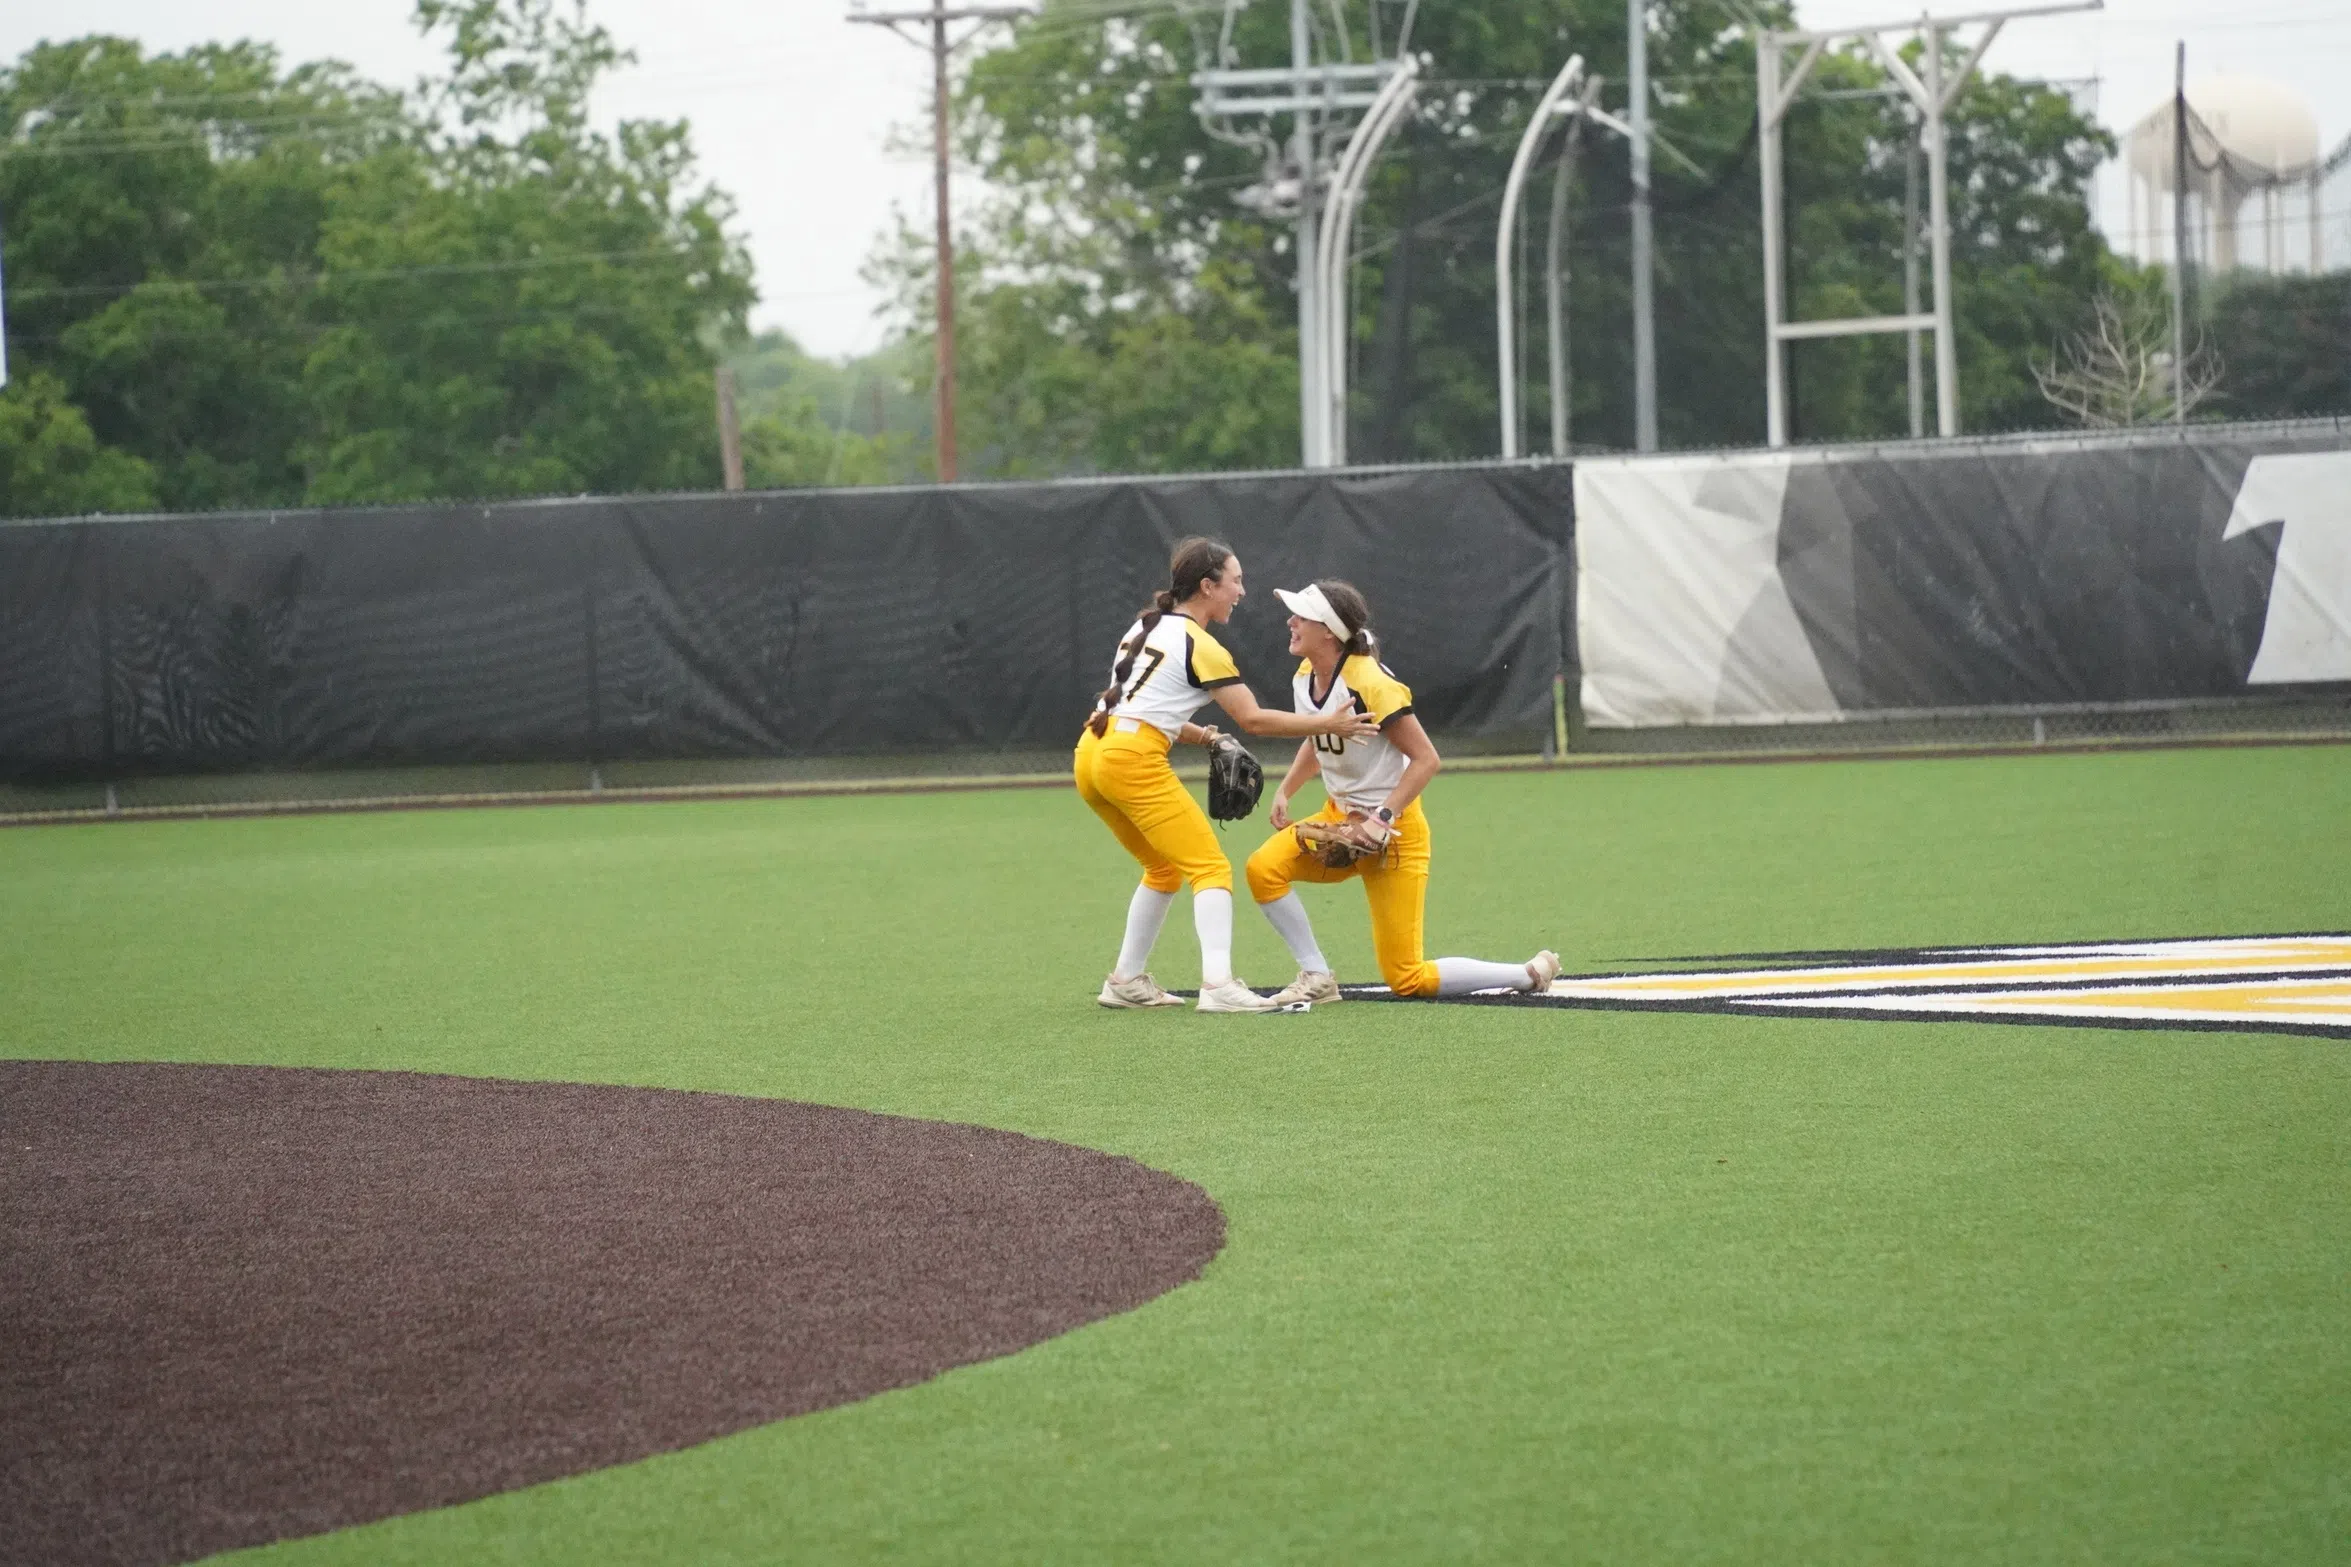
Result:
pixel 1303 766
pixel 1239 701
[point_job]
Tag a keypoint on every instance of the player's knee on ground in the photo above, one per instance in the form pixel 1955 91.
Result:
pixel 1269 876
pixel 1410 979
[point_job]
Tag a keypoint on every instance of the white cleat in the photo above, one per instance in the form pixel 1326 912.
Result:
pixel 1542 968
pixel 1140 991
pixel 1311 988
pixel 1231 996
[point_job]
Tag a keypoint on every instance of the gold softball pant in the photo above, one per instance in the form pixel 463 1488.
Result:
pixel 1396 885
pixel 1125 777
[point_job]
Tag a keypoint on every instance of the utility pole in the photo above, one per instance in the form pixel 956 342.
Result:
pixel 937 18
pixel 1644 300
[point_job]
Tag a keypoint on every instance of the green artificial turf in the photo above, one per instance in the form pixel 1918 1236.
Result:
pixel 1502 1284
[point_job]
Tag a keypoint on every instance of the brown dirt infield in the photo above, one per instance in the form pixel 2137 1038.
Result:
pixel 239 1304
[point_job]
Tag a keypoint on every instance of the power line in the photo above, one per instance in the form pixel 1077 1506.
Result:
pixel 333 276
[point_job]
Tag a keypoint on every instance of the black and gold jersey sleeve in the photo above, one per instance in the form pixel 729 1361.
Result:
pixel 1376 688
pixel 1207 663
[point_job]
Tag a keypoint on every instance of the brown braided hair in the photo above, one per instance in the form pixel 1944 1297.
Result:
pixel 1196 561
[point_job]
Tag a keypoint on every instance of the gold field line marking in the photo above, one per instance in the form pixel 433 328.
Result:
pixel 2329 955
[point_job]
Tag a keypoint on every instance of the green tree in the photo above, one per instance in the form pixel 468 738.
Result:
pixel 278 286
pixel 50 463
pixel 162 223
pixel 1112 241
pixel 2284 344
pixel 521 304
pixel 793 448
pixel 808 421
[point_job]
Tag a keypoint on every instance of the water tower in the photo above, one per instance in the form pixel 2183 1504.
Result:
pixel 2247 137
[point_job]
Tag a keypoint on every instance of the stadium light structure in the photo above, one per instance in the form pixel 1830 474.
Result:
pixel 1577 111
pixel 1776 87
pixel 1336 239
pixel 1320 97
pixel 1586 110
pixel 1554 102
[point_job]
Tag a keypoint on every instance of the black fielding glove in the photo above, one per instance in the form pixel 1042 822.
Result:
pixel 1234 780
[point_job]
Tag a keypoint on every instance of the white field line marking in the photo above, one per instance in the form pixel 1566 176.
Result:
pixel 2326 1002
pixel 2157 961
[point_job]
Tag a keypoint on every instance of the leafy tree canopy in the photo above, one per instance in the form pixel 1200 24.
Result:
pixel 250 285
pixel 809 421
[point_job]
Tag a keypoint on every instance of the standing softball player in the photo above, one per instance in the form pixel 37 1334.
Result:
pixel 1168 665
pixel 1371 827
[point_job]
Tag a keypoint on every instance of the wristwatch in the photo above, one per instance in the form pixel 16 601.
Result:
pixel 1386 816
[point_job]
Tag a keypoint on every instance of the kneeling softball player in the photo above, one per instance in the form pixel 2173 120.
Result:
pixel 1372 826
pixel 1168 666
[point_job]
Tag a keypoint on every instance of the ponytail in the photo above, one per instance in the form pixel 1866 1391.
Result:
pixel 1348 600
pixel 1111 693
pixel 1196 561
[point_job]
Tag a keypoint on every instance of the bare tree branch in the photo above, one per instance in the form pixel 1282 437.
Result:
pixel 2119 372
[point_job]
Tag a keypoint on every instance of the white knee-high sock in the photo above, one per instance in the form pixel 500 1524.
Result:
pixel 1145 915
pixel 1460 976
pixel 1288 917
pixel 1212 917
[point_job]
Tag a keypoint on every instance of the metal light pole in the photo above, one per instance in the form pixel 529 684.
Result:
pixel 1939 226
pixel 937 18
pixel 1644 302
pixel 1505 231
pixel 1918 417
pixel 1555 103
pixel 1555 273
pixel 2179 236
pixel 1313 436
pixel 1336 235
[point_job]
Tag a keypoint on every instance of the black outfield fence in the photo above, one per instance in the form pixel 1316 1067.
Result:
pixel 818 624
pixel 2143 584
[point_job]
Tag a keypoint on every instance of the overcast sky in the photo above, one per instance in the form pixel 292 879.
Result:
pixel 792 105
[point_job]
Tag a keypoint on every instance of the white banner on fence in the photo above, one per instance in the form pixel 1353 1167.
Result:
pixel 1681 614
pixel 2306 634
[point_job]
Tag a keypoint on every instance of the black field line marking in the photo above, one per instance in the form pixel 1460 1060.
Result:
pixel 1864 1014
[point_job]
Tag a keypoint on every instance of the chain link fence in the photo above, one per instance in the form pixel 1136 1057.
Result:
pixel 2314 718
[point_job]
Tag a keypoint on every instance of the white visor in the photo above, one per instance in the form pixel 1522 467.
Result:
pixel 1310 603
